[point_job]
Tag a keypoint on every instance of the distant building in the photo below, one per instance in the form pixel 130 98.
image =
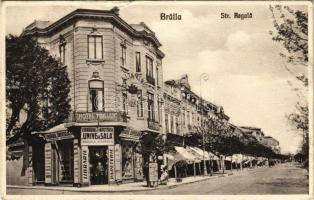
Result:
pixel 255 132
pixel 271 143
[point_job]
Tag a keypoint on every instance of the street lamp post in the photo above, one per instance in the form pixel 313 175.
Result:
pixel 204 76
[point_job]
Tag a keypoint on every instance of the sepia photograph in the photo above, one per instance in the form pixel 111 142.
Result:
pixel 157 98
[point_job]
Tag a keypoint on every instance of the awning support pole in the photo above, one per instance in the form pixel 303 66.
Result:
pixel 194 171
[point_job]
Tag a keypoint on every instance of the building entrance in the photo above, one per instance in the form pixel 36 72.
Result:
pixel 98 162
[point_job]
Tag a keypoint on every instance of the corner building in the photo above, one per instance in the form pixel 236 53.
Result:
pixel 115 69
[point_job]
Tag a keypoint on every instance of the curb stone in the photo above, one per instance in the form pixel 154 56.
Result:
pixel 70 189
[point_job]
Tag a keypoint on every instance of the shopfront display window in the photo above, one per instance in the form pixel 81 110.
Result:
pixel 127 161
pixel 98 163
pixel 66 160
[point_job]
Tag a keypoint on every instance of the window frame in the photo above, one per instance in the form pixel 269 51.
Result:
pixel 95 47
pixel 138 62
pixel 140 105
pixel 123 55
pixel 96 89
pixel 151 107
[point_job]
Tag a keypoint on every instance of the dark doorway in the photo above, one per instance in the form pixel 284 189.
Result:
pixel 98 165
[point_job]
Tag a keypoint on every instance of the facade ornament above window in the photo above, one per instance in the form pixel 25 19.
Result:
pixel 95 75
pixel 123 43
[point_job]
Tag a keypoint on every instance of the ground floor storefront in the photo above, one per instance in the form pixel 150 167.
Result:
pixel 86 155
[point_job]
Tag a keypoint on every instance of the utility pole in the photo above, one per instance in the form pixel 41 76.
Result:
pixel 204 77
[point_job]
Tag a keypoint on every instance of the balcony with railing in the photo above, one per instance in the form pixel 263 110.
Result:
pixel 98 117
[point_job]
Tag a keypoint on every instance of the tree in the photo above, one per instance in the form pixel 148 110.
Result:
pixel 37 88
pixel 291 31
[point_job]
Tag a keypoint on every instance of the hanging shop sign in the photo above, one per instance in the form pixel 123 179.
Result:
pixel 118 164
pixel 97 136
pixel 153 172
pixel 62 135
pixel 48 170
pixel 111 163
pixel 85 165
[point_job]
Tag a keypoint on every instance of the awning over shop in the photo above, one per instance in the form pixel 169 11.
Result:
pixel 59 132
pixel 55 129
pixel 207 155
pixel 181 154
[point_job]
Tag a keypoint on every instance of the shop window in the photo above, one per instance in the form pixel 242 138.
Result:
pixel 138 61
pixel 151 109
pixel 127 161
pixel 140 103
pixel 96 96
pixel 95 47
pixel 65 155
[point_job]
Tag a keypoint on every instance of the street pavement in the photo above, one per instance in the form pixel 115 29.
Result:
pixel 281 179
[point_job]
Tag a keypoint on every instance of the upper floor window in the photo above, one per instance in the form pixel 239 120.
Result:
pixel 172 124
pixel 62 52
pixel 139 103
pixel 123 57
pixel 151 107
pixel 149 70
pixel 167 123
pixel 95 47
pixel 96 95
pixel 138 61
pixel 125 102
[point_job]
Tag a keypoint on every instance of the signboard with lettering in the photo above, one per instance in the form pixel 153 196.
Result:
pixel 153 172
pixel 76 161
pixel 62 135
pixel 48 167
pixel 97 136
pixel 98 117
pixel 85 165
pixel 111 177
pixel 118 164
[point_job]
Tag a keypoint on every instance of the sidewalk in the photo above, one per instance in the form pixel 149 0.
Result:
pixel 130 187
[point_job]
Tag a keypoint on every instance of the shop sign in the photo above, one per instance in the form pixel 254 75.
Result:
pixel 117 164
pixel 85 165
pixel 111 163
pixel 48 172
pixel 58 136
pixel 76 161
pixel 97 136
pixel 153 172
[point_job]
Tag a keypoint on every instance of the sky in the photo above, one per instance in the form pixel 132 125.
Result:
pixel 246 74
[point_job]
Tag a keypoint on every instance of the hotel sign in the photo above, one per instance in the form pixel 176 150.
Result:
pixel 99 117
pixel 97 136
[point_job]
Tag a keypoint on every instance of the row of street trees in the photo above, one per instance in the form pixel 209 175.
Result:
pixel 291 31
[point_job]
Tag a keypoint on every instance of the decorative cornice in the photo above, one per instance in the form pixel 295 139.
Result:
pixel 101 14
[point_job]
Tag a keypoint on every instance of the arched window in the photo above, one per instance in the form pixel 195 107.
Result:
pixel 96 95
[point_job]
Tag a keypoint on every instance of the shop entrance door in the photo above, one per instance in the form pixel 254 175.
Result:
pixel 98 156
